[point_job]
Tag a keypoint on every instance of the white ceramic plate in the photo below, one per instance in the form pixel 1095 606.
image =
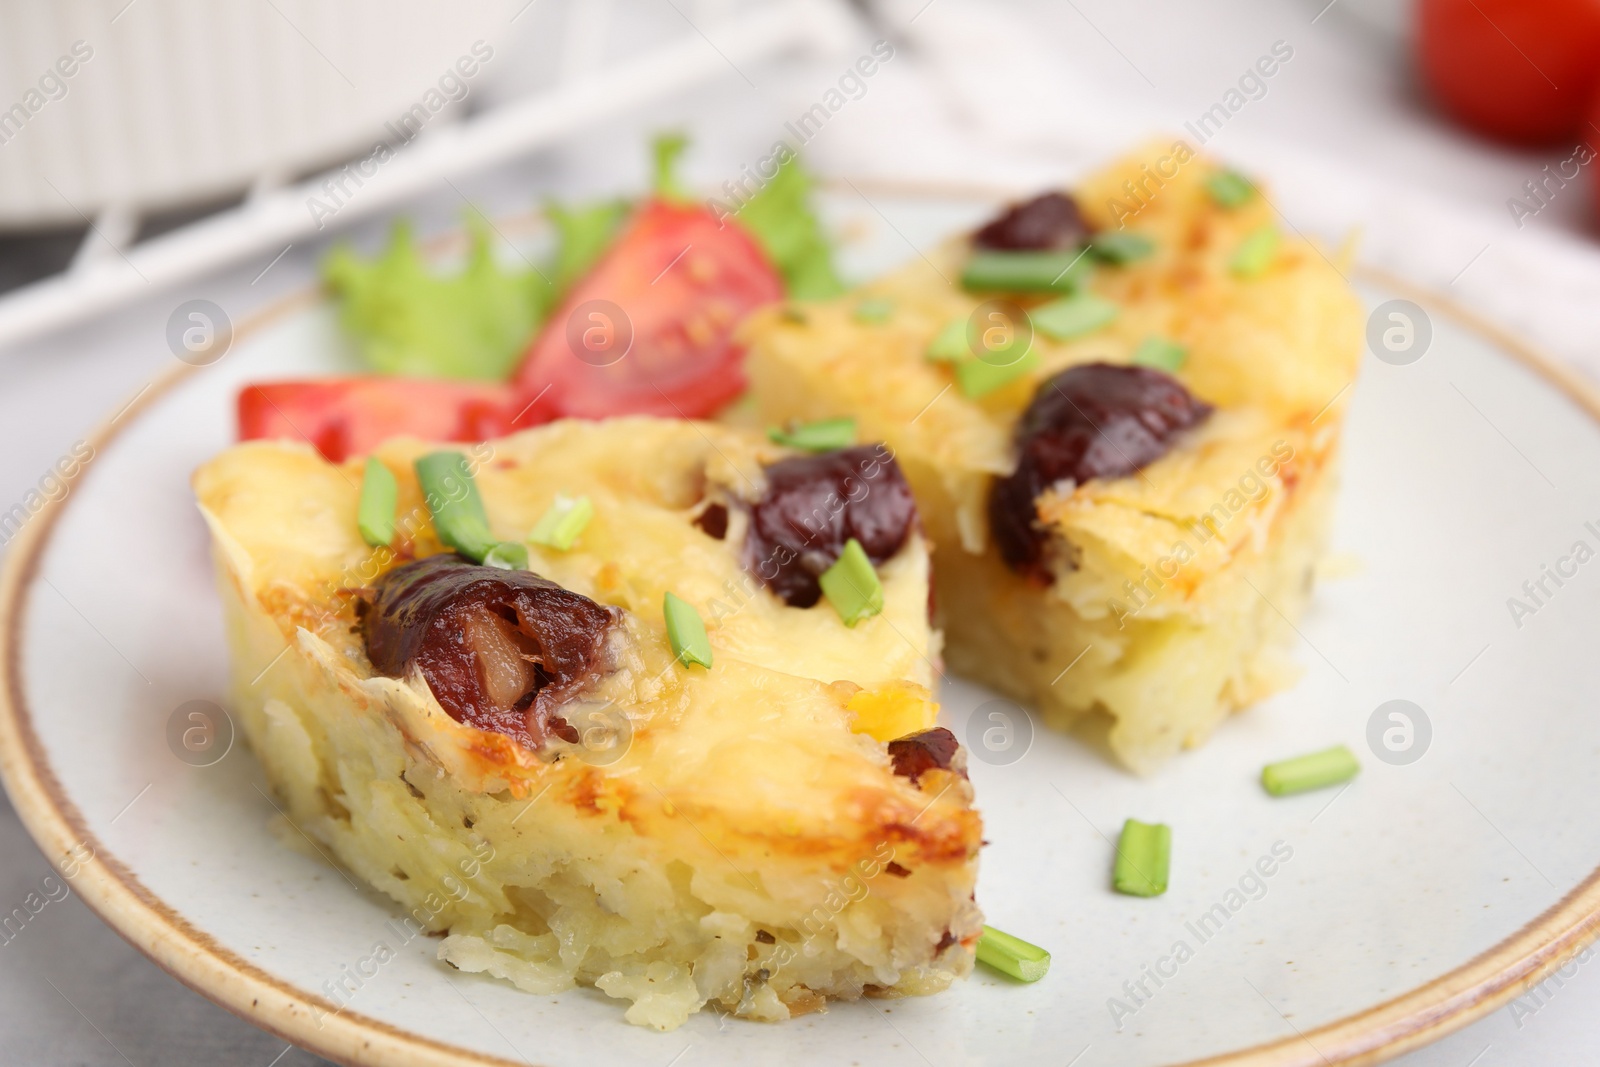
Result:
pixel 1417 898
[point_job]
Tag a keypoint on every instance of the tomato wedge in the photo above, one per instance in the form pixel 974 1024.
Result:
pixel 649 331
pixel 344 417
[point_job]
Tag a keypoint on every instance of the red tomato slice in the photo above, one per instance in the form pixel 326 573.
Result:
pixel 344 417
pixel 649 331
pixel 1519 70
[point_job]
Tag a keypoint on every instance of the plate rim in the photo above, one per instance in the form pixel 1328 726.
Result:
pixel 114 893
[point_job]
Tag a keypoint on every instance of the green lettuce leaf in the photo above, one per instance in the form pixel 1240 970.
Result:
pixel 780 218
pixel 409 320
pixel 665 151
pixel 476 323
pixel 583 234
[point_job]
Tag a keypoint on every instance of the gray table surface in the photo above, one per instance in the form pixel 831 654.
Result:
pixel 73 992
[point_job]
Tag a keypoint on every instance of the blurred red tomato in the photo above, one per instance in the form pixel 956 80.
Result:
pixel 343 417
pixel 1519 70
pixel 668 295
pixel 1590 135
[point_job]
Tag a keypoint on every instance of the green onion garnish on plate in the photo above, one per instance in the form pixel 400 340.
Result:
pixel 452 497
pixel 1160 353
pixel 1144 852
pixel 1027 272
pixel 1313 771
pixel 1012 955
pixel 978 378
pixel 949 345
pixel 508 556
pixel 1255 253
pixel 1120 247
pixel 828 435
pixel 375 512
pixel 1073 316
pixel 562 522
pixel 1229 189
pixel 874 309
pixel 851 585
pixel 686 631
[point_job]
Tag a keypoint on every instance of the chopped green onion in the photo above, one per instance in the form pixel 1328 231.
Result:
pixel 1229 189
pixel 1012 955
pixel 1073 316
pixel 1255 253
pixel 949 345
pixel 562 522
pixel 1027 272
pixel 1160 353
pixel 1314 771
pixel 452 497
pixel 686 631
pixel 829 435
pixel 375 512
pixel 508 556
pixel 978 378
pixel 851 584
pixel 875 309
pixel 1120 248
pixel 1143 853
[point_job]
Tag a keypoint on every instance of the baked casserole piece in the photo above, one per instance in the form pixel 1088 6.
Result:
pixel 1119 408
pixel 524 758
